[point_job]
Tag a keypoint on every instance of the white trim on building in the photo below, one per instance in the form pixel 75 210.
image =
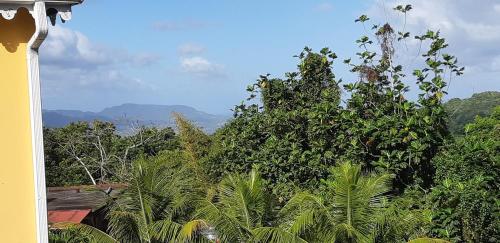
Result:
pixel 40 10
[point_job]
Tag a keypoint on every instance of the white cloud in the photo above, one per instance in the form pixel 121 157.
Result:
pixel 471 29
pixel 497 8
pixel 68 48
pixel 187 49
pixel 72 64
pixel 192 63
pixel 324 7
pixel 200 66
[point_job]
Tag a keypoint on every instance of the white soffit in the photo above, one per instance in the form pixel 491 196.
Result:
pixel 54 8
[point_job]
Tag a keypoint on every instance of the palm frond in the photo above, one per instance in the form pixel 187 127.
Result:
pixel 96 235
pixel 240 206
pixel 305 220
pixel 126 226
pixel 243 198
pixel 306 214
pixel 357 198
pixel 192 229
pixel 302 201
pixel 275 235
pixel 428 240
pixel 165 230
pixel 228 229
pixel 347 212
pixel 345 233
pixel 156 202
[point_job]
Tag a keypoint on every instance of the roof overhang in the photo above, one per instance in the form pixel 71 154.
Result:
pixel 8 8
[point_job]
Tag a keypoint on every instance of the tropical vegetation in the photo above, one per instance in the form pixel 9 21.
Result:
pixel 307 158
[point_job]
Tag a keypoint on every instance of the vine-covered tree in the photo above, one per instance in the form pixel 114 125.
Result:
pixel 300 127
pixel 285 135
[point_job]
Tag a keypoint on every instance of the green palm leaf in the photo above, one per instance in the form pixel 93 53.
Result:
pixel 275 234
pixel 428 240
pixel 346 213
pixel 241 205
pixel 165 230
pixel 157 201
pixel 93 234
pixel 192 229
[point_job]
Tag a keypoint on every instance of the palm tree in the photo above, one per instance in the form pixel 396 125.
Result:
pixel 402 219
pixel 242 211
pixel 347 212
pixel 67 232
pixel 157 201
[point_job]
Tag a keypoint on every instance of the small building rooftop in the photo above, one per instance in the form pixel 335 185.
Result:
pixel 81 197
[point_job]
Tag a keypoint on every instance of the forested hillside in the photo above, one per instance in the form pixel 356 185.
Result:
pixel 463 111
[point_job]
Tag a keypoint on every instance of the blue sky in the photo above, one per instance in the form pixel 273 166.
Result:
pixel 204 53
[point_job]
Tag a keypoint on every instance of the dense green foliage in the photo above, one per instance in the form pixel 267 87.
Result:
pixel 349 210
pixel 463 111
pixel 300 163
pixel 466 197
pixel 165 201
pixel 301 129
pixel 275 136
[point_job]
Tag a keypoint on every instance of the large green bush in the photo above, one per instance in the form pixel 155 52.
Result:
pixel 466 197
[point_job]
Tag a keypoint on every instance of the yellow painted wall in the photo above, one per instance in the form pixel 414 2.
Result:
pixel 17 186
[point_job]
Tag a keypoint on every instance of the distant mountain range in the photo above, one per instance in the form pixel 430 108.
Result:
pixel 125 115
pixel 461 112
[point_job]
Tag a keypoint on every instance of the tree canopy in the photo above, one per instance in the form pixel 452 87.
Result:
pixel 300 127
pixel 307 157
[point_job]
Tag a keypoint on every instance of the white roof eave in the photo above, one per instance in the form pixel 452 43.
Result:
pixel 72 2
pixel 8 8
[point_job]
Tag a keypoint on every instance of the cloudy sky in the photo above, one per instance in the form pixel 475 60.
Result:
pixel 204 53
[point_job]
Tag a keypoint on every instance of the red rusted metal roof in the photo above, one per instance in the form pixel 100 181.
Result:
pixel 73 216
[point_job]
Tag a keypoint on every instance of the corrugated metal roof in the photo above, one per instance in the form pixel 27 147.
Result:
pixel 73 216
pixel 81 197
